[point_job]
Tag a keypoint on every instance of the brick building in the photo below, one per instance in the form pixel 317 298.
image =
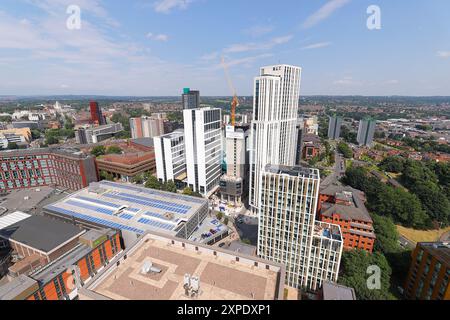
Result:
pixel 68 168
pixel 429 273
pixel 61 279
pixel 344 206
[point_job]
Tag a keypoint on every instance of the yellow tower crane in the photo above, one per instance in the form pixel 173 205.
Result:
pixel 235 102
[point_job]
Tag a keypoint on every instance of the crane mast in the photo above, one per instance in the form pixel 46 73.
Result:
pixel 235 102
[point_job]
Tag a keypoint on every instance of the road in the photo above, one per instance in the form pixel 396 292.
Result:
pixel 405 243
pixel 338 172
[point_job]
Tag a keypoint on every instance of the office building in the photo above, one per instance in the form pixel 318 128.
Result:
pixel 171 157
pixel 344 206
pixel 366 132
pixel 334 127
pixel 233 183
pixel 190 99
pixel 288 232
pixel 63 167
pixel 429 273
pixel 274 125
pixel 90 135
pixel 147 127
pixel 160 267
pixel 203 145
pixel 132 209
pixel 97 116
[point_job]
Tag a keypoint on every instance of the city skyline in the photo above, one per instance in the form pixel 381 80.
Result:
pixel 156 48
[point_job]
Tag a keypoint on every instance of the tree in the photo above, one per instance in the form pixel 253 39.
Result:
pixel 35 134
pixel 98 151
pixel 138 179
pixel 219 215
pixel 153 183
pixel 392 164
pixel 106 176
pixel 114 150
pixel 355 265
pixel 345 150
pixel 225 221
pixel 387 235
pixel 12 146
pixel 170 186
pixel 187 191
pixel 51 140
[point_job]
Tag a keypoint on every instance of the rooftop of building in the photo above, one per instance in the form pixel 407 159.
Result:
pixel 207 230
pixel 63 151
pixel 68 259
pixel 12 218
pixel 41 233
pixel 293 171
pixel 334 291
pixel 175 134
pixel 129 207
pixel 26 199
pixel 127 158
pixel 223 275
pixel 327 231
pixel 16 287
pixel 349 204
pixel 146 142
pixel 439 250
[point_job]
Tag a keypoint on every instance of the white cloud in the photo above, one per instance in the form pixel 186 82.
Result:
pixel 166 6
pixel 210 56
pixel 443 54
pixel 346 81
pixel 324 12
pixel 393 81
pixel 158 37
pixel 244 47
pixel 259 30
pixel 317 45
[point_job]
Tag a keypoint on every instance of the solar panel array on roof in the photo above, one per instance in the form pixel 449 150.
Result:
pixel 89 207
pixel 154 192
pixel 104 203
pixel 156 224
pixel 95 220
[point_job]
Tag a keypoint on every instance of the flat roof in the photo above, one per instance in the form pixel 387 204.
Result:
pixel 293 171
pixel 222 276
pixel 25 199
pixel 12 218
pixel 41 233
pixel 63 263
pixel 129 207
pixel 16 287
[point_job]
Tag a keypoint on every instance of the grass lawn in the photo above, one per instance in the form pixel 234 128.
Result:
pixel 421 235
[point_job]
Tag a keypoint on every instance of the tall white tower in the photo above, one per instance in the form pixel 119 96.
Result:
pixel 203 144
pixel 273 129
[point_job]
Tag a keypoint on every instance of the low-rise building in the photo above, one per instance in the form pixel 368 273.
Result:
pixel 127 165
pixel 344 206
pixel 160 267
pixel 132 209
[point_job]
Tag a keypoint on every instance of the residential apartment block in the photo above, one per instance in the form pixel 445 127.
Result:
pixel 429 273
pixel 288 232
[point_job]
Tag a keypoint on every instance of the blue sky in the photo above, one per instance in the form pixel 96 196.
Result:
pixel 157 47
